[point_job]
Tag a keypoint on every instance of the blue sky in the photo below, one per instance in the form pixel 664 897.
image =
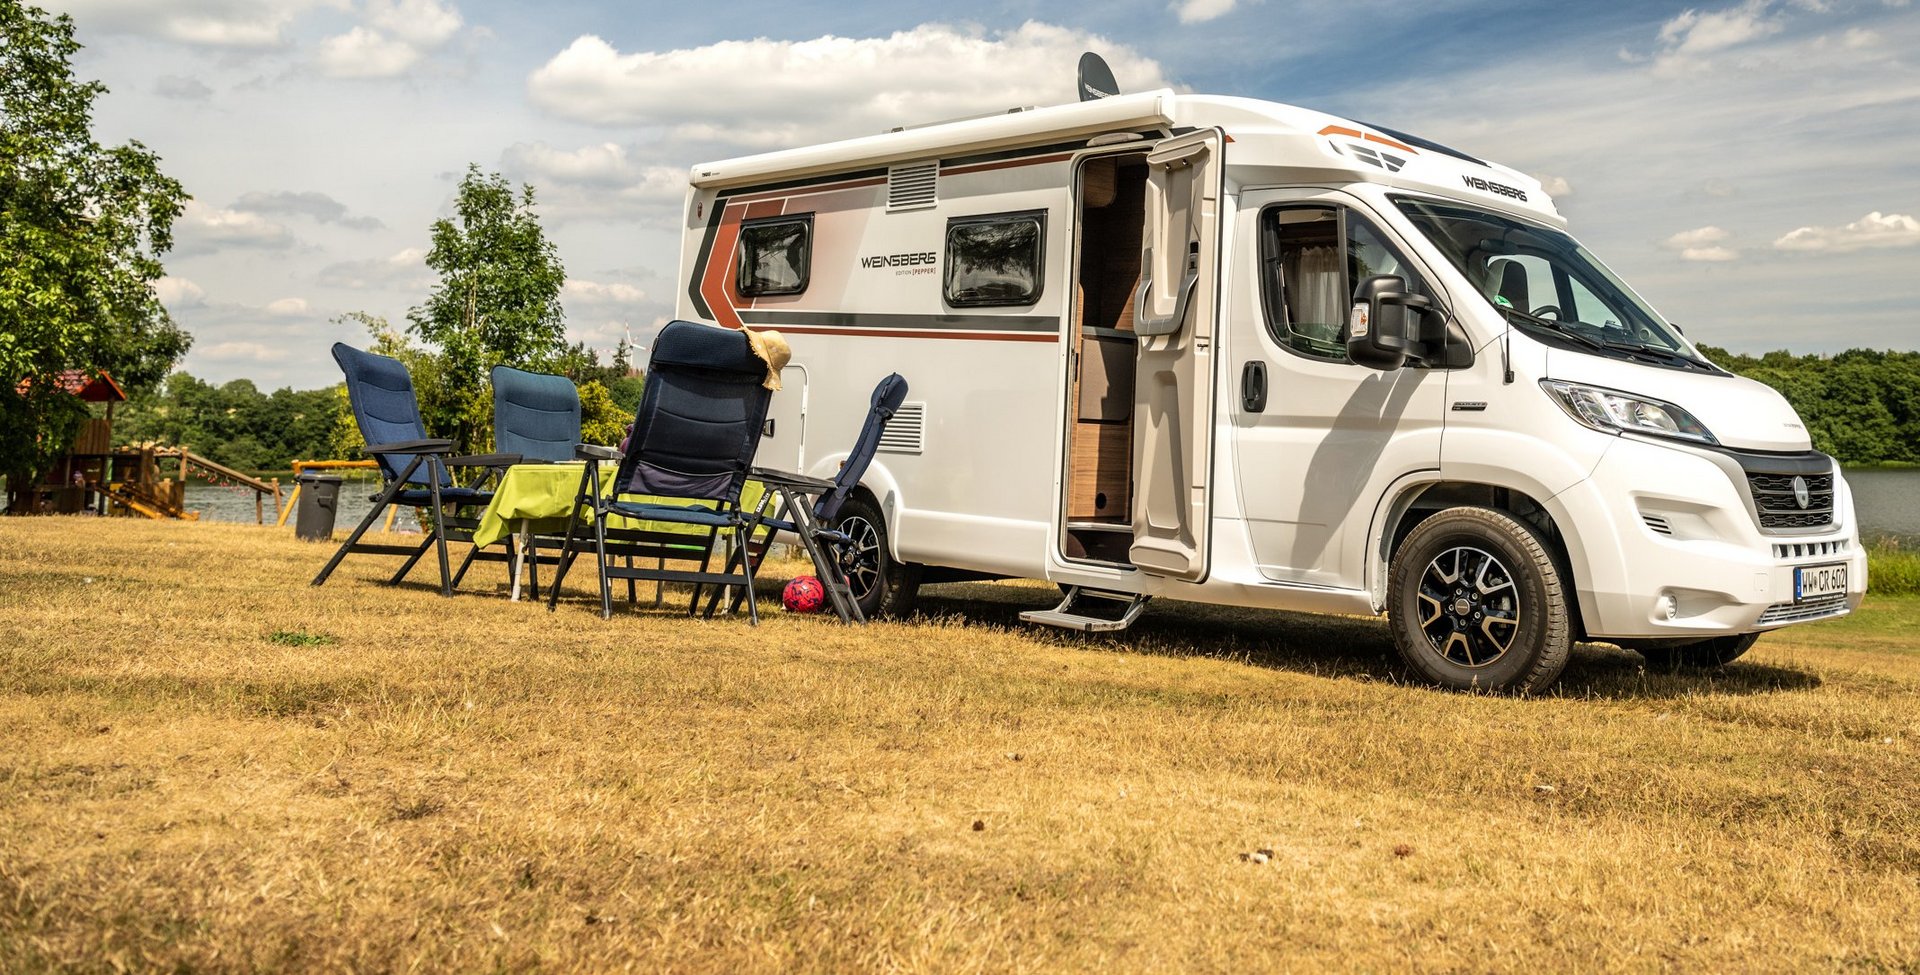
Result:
pixel 1753 168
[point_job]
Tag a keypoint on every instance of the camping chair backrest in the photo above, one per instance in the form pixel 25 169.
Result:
pixel 535 415
pixel 887 398
pixel 381 393
pixel 700 415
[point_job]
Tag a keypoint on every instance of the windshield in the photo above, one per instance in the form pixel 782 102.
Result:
pixel 1546 276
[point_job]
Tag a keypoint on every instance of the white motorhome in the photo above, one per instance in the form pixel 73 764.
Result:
pixel 1230 351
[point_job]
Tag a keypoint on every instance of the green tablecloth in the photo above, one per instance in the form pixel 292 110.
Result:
pixel 543 494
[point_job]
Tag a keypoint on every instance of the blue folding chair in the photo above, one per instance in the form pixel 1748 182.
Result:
pixel 415 469
pixel 536 420
pixel 813 505
pixel 694 438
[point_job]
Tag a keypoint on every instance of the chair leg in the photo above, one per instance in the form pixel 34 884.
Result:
pixel 600 561
pixel 706 562
pixel 412 560
pixel 633 597
pixel 434 471
pixel 589 480
pixel 532 556
pixel 461 573
pixel 746 568
pixel 373 514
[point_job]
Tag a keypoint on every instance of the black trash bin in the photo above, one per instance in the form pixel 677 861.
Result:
pixel 319 503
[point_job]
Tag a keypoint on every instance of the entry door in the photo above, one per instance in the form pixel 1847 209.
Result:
pixel 783 440
pixel 1173 375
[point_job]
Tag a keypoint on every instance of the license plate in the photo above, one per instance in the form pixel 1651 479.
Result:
pixel 1819 580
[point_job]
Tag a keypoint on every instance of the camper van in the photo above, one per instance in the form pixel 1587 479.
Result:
pixel 1223 350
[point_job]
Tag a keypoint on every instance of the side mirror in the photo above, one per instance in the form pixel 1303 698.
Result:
pixel 1382 330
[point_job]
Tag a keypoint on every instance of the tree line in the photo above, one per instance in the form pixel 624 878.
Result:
pixel 1862 405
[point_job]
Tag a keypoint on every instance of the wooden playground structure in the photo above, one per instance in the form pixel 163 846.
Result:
pixel 93 475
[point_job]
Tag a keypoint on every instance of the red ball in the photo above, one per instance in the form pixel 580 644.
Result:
pixel 803 595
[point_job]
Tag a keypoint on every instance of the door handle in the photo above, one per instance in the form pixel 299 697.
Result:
pixel 1253 387
pixel 767 429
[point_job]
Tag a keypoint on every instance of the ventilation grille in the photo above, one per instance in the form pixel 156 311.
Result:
pixel 1803 550
pixel 1812 609
pixel 1658 524
pixel 912 187
pixel 906 432
pixel 1779 503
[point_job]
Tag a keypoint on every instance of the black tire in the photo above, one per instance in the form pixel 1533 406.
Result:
pixel 1705 654
pixel 1454 584
pixel 882 586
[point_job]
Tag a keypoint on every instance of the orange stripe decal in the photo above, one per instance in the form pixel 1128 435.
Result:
pixel 1403 147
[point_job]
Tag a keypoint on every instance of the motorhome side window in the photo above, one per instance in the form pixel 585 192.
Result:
pixel 775 256
pixel 995 260
pixel 1312 258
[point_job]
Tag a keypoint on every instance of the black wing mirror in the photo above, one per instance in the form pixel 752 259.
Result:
pixel 1383 329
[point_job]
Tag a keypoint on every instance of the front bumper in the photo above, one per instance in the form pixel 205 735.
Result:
pixel 1690 560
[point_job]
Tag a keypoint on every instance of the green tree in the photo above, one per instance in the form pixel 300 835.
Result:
pixel 498 301
pixel 82 228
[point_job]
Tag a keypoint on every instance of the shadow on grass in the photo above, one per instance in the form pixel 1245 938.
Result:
pixel 1335 646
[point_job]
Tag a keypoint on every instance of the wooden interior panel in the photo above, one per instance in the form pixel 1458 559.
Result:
pixel 1102 472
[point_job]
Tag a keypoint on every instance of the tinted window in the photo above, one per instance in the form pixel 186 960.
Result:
pixel 1314 258
pixel 995 260
pixel 774 256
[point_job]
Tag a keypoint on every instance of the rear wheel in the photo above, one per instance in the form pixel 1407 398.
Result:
pixel 881 585
pixel 1716 652
pixel 1478 603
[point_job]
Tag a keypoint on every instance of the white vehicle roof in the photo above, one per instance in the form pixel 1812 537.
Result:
pixel 1272 143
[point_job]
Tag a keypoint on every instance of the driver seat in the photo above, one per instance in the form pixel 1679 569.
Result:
pixel 1512 276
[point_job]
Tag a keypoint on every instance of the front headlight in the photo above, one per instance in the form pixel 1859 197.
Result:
pixel 1611 411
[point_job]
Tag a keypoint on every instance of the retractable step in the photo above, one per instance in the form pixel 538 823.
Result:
pixel 1077 611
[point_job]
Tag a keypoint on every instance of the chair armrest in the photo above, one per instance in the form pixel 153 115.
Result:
pixel 484 460
pixel 775 478
pixel 411 447
pixel 588 451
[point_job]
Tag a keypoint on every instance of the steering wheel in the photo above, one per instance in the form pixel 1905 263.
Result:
pixel 1544 310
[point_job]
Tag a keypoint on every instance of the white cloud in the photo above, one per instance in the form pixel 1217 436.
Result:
pixel 600 182
pixel 318 206
pixel 404 270
pixel 366 53
pixel 422 23
pixel 1871 231
pixel 203 229
pixel 593 292
pixel 181 88
pixel 1198 11
pixel 1555 186
pixel 765 93
pixel 242 24
pixel 176 293
pixel 1693 32
pixel 1702 244
pixel 288 307
pixel 241 351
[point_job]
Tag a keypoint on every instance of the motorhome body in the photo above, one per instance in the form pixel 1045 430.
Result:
pixel 1146 362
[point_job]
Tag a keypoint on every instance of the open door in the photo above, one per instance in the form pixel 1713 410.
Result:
pixel 1173 379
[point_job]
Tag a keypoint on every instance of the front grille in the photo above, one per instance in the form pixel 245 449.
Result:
pixel 1779 508
pixel 1803 550
pixel 1819 607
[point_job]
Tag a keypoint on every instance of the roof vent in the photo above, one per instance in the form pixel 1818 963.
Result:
pixel 912 187
pixel 906 432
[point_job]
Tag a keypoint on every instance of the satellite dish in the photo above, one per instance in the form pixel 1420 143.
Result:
pixel 1096 79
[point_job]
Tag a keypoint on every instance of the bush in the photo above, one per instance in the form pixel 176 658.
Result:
pixel 1892 571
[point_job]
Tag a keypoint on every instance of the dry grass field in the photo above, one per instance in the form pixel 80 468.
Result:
pixel 210 766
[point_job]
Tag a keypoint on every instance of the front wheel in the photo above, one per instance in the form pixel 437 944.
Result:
pixel 882 586
pixel 1478 603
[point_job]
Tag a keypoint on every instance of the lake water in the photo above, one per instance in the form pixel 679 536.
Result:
pixel 1887 501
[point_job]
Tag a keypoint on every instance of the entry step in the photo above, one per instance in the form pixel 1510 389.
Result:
pixel 1090 611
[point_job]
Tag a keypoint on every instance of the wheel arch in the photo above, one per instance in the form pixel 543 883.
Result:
pixel 1416 499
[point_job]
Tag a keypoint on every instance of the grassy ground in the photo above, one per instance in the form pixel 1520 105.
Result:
pixel 211 766
pixel 1892 569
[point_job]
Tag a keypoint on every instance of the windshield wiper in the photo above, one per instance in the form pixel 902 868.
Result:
pixel 1558 328
pixel 1664 355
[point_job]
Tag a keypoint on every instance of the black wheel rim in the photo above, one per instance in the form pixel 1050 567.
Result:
pixel 1469 606
pixel 861 560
